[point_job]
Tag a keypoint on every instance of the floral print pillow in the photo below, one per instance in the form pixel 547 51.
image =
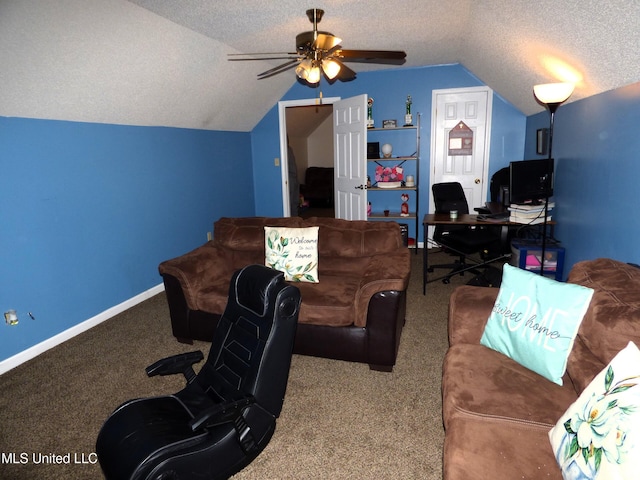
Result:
pixel 293 251
pixel 598 437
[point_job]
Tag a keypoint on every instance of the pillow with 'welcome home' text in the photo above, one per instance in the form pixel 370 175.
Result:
pixel 535 320
pixel 293 251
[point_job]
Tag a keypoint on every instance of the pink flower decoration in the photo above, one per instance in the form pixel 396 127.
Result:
pixel 388 174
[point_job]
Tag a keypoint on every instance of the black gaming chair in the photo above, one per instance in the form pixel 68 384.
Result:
pixel 226 414
pixel 460 240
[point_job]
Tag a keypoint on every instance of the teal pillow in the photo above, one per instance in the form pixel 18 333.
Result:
pixel 535 321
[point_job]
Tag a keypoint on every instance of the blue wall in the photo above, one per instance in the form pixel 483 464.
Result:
pixel 596 148
pixel 88 211
pixel 389 89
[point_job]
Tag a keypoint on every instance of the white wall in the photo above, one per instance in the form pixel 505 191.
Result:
pixel 320 145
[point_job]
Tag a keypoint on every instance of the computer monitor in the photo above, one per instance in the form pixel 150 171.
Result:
pixel 530 181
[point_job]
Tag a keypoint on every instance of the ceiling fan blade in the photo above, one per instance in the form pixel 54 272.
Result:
pixel 391 57
pixel 280 68
pixel 261 58
pixel 345 74
pixel 259 53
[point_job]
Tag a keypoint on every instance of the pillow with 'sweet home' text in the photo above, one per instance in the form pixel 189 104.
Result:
pixel 535 320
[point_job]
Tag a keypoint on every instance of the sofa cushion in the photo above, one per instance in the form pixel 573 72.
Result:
pixel 480 381
pixel 247 233
pixel 483 448
pixel 293 251
pixel 489 399
pixel 355 238
pixel 535 320
pixel 599 434
pixel 614 315
pixel 330 302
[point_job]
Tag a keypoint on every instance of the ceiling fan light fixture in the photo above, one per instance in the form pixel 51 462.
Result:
pixel 303 69
pixel 313 75
pixel 331 68
pixel 320 53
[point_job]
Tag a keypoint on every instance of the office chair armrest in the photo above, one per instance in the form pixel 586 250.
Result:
pixel 223 413
pixel 180 363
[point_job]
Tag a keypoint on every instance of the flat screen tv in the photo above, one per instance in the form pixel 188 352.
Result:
pixel 530 181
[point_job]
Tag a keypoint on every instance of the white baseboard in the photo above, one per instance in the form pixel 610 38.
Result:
pixel 42 347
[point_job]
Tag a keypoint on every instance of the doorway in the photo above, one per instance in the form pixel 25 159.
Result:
pixel 466 109
pixel 306 135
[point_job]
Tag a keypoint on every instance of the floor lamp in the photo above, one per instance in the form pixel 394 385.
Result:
pixel 551 95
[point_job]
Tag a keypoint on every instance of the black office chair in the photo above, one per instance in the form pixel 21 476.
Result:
pixel 499 182
pixel 497 185
pixel 460 240
pixel 226 414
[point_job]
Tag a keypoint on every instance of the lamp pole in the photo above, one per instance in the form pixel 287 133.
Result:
pixel 552 113
pixel 551 95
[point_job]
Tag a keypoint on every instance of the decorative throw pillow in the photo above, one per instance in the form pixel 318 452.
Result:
pixel 598 437
pixel 293 251
pixel 535 321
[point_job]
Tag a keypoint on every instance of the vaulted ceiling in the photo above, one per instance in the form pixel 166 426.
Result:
pixel 164 62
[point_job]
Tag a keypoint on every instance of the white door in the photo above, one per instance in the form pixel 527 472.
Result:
pixel 350 145
pixel 450 107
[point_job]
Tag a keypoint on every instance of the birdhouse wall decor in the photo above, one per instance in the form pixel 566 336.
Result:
pixel 461 140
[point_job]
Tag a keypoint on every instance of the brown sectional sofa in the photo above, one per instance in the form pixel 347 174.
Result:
pixel 356 312
pixel 496 413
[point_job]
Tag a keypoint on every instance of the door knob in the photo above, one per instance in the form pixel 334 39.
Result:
pixel 361 187
pixel 477 181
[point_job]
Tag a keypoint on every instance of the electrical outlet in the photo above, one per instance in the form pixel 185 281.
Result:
pixel 276 162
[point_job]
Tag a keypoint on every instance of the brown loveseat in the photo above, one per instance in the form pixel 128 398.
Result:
pixel 497 414
pixel 356 312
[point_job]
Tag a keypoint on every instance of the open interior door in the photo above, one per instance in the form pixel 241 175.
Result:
pixel 350 147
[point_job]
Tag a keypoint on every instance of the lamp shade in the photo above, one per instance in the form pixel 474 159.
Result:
pixel 553 93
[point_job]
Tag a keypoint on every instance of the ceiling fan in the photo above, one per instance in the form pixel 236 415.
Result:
pixel 320 52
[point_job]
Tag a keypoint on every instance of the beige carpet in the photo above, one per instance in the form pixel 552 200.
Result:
pixel 340 420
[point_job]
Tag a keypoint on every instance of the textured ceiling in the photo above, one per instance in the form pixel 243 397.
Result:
pixel 164 62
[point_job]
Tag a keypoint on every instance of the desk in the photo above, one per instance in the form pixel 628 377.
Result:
pixel 432 219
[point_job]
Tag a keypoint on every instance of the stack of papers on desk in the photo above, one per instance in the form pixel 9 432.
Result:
pixel 529 214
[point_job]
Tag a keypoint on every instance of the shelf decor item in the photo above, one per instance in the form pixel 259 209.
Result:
pixel 370 122
pixel 386 149
pixel 389 177
pixel 408 118
pixel 404 207
pixel 389 124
